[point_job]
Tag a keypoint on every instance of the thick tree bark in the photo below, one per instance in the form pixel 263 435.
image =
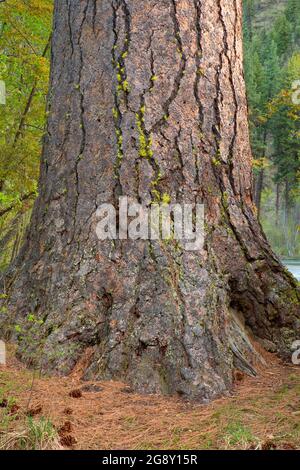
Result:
pixel 168 73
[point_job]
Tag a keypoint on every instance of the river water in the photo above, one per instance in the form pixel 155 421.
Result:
pixel 293 266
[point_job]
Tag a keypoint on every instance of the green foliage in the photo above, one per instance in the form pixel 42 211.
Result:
pixel 293 16
pixel 24 67
pixel 239 435
pixel 28 333
pixel 282 35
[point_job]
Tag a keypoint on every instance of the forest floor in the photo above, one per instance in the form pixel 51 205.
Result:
pixel 64 413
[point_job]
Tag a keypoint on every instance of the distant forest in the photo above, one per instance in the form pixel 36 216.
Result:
pixel 272 68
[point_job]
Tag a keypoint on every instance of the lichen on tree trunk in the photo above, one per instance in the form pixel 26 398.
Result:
pixel 148 99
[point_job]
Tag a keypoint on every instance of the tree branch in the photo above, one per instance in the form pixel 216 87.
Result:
pixel 12 206
pixel 30 98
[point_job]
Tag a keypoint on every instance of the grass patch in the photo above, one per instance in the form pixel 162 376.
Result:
pixel 238 436
pixel 31 435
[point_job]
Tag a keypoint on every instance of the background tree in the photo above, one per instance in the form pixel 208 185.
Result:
pixel 284 121
pixel 293 16
pixel 268 52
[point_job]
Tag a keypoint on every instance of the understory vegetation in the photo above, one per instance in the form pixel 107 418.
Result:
pixel 25 29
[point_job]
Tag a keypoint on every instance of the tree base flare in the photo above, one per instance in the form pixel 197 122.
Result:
pixel 161 321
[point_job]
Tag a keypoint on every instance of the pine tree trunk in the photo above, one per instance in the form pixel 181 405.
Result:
pixel 259 190
pixel 277 203
pixel 168 73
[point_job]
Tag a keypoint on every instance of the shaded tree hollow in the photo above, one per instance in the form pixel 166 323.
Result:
pixel 148 99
